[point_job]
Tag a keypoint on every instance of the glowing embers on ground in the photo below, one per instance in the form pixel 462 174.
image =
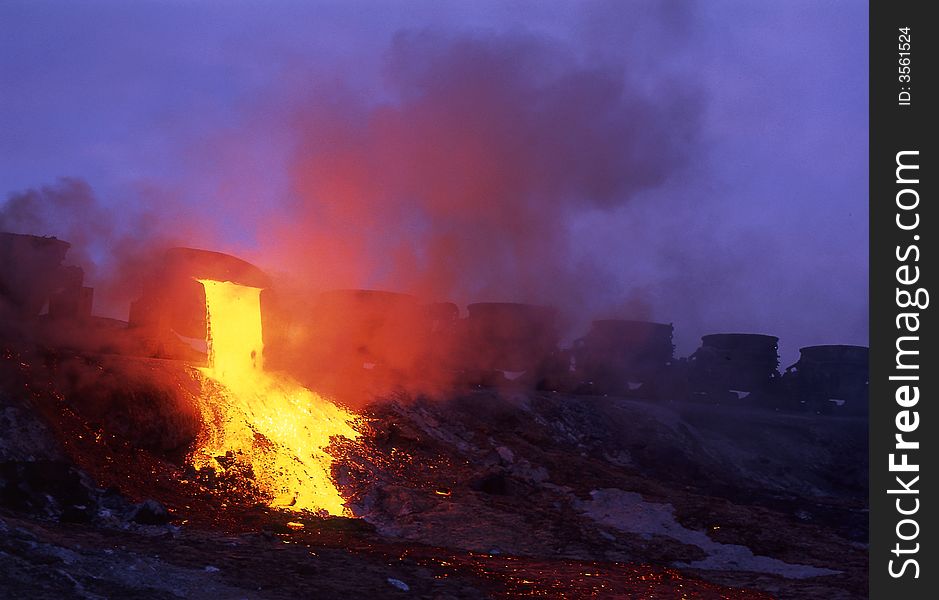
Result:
pixel 263 423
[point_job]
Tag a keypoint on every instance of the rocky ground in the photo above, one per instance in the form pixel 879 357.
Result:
pixel 743 497
pixel 484 493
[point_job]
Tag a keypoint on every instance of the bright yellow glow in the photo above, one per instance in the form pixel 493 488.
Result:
pixel 267 421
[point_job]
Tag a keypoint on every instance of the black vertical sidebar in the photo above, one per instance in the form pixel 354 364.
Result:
pixel 904 366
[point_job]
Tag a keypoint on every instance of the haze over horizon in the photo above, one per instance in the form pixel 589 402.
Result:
pixel 697 163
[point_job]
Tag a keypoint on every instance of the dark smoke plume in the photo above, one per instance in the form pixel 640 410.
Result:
pixel 114 253
pixel 461 182
pixel 458 179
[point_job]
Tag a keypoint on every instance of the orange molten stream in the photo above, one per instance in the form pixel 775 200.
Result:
pixel 265 421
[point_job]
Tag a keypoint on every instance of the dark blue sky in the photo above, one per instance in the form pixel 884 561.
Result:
pixel 712 155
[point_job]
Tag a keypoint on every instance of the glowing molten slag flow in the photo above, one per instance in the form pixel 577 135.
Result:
pixel 265 421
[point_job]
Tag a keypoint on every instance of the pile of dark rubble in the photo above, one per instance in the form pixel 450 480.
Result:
pixel 37 479
pixel 763 501
pixel 59 491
